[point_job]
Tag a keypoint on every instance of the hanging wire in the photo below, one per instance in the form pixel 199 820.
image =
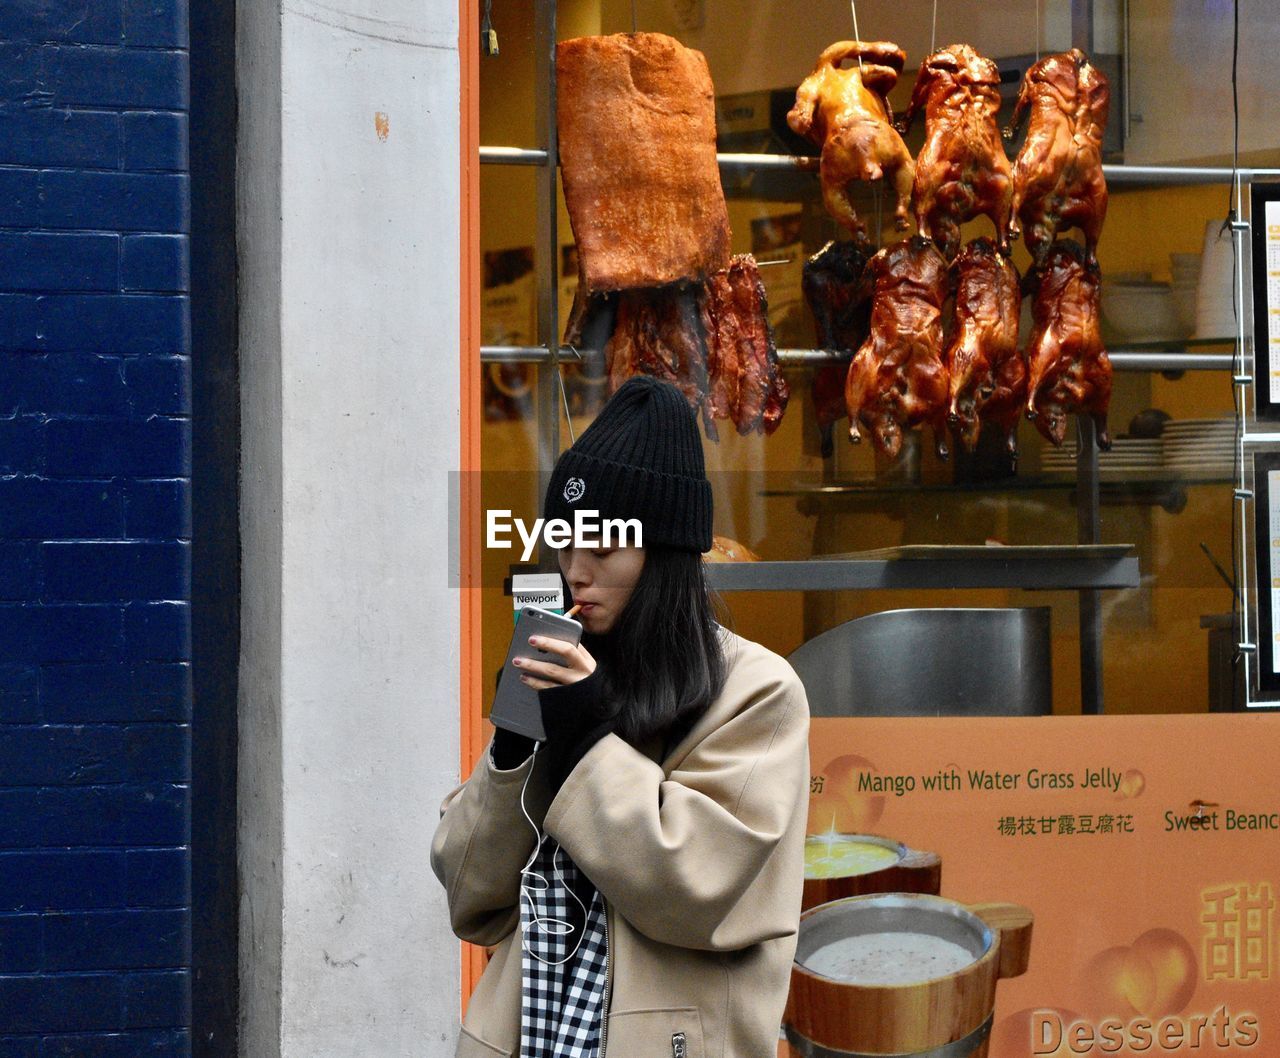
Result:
pixel 633 16
pixel 1037 3
pixel 853 6
pixel 1233 200
pixel 933 38
pixel 564 400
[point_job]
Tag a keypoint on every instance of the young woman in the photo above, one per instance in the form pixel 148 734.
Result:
pixel 638 874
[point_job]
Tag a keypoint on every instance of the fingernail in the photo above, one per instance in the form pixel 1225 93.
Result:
pixel 534 640
pixel 517 661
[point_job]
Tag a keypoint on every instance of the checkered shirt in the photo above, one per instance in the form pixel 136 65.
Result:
pixel 563 1005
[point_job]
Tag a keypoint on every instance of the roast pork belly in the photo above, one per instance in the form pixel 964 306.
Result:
pixel 636 120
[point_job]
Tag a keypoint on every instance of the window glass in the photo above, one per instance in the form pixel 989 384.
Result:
pixel 1167 289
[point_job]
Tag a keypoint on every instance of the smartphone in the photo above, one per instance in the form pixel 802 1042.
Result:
pixel 516 707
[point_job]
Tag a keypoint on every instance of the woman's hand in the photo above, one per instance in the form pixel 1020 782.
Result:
pixel 541 675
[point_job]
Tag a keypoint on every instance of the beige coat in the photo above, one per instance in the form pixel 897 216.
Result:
pixel 700 859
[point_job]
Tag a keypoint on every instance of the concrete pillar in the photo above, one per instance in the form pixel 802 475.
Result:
pixel 348 220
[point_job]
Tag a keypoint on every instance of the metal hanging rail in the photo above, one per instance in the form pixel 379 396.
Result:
pixel 1121 360
pixel 512 156
pixel 1154 175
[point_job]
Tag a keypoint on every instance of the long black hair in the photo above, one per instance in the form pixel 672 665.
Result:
pixel 663 663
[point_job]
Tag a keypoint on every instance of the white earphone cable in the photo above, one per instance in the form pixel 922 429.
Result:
pixel 534 883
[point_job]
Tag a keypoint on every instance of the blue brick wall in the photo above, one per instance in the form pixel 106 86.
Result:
pixel 95 530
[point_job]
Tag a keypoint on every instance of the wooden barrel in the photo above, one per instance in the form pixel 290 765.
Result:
pixel 843 865
pixel 877 1006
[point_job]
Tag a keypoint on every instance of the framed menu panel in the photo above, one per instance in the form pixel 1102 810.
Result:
pixel 1264 203
pixel 1266 486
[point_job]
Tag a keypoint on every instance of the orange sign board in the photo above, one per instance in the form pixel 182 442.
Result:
pixel 1147 849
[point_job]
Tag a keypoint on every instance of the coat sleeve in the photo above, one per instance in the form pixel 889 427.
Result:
pixel 711 856
pixel 482 842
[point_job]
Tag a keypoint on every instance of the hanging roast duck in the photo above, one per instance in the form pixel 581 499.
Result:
pixel 1069 369
pixel 897 379
pixel 845 112
pixel 988 376
pixel 962 170
pixel 1057 178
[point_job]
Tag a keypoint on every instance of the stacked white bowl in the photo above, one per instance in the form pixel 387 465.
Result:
pixel 1200 447
pixel 1127 456
pixel 1139 311
pixel 1215 297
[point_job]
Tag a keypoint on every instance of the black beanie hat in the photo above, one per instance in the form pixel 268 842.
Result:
pixel 641 458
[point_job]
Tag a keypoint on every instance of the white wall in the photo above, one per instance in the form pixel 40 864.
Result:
pixel 1181 62
pixel 782 39
pixel 349 718
pixel 1180 54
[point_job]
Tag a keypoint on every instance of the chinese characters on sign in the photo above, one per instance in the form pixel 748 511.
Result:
pixel 1237 936
pixel 1029 826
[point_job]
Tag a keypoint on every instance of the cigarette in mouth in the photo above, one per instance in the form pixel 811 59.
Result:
pixel 574 610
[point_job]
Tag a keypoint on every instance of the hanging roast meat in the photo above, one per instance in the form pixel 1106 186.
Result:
pixel 744 378
pixel 635 116
pixel 1004 407
pixel 831 281
pixel 1057 178
pixel 988 375
pixel 961 170
pixel 659 333
pixel 841 314
pixel 712 340
pixel 845 112
pixel 897 379
pixel 1069 369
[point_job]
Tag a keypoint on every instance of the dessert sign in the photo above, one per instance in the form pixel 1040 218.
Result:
pixel 1144 850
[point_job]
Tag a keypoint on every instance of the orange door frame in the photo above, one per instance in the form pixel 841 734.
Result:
pixel 469 513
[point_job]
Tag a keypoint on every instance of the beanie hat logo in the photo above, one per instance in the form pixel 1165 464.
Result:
pixel 574 490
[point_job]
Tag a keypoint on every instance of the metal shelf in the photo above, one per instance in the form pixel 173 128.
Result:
pixel 1146 360
pixel 821 574
pixel 1168 493
pixel 1045 481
